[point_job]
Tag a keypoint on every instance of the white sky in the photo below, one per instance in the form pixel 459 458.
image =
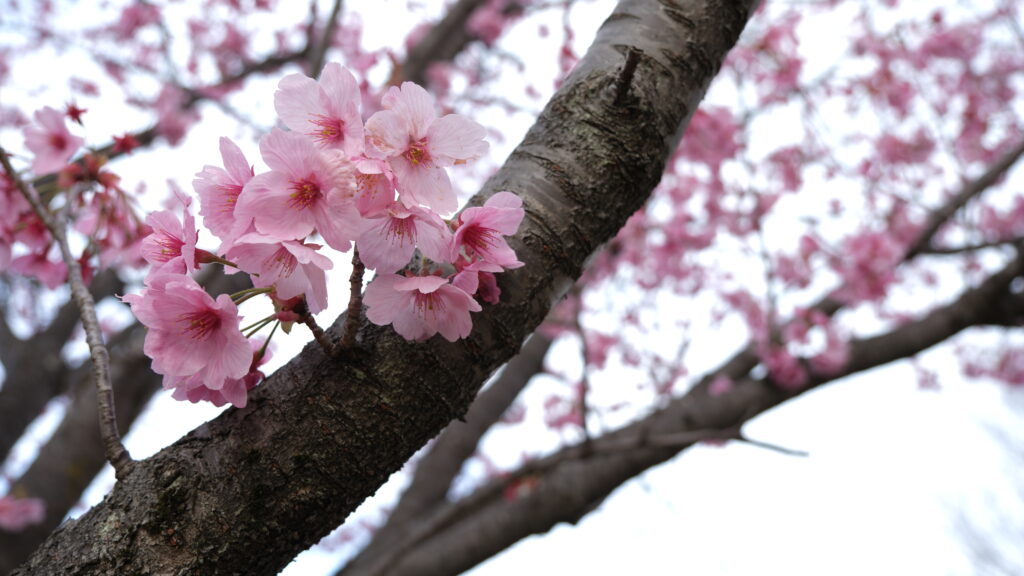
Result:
pixel 890 465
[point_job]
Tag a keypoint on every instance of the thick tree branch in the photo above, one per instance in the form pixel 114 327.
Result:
pixel 73 456
pixel 438 468
pixel 567 485
pixel 247 491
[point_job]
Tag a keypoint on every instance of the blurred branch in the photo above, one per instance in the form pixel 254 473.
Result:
pixel 442 43
pixel 970 190
pixel 954 250
pixel 319 51
pixel 565 486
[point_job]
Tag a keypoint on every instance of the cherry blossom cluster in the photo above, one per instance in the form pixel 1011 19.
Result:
pixel 380 185
pixel 102 212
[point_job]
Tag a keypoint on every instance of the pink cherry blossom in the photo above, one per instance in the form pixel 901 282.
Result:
pixel 472 277
pixel 13 206
pixel 293 268
pixel 173 119
pixel 420 306
pixel 171 246
pixel 784 369
pixel 387 241
pixel 190 333
pixel 16 514
pixel 327 110
pixel 52 273
pixel 234 390
pixel 50 141
pixel 480 230
pixel 304 190
pixel 375 183
pixel 218 190
pixel 418 145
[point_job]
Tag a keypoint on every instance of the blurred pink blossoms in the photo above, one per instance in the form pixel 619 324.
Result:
pixel 381 185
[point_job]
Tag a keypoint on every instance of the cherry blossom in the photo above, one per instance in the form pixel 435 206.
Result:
pixel 293 268
pixel 171 247
pixel 219 188
pixel 50 141
pixel 420 306
pixel 234 391
pixel 418 145
pixel 327 111
pixel 480 230
pixel 303 191
pixel 388 240
pixel 16 514
pixel 190 333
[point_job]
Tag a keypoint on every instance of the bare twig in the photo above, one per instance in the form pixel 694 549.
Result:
pixel 115 451
pixel 355 302
pixel 321 337
pixel 625 78
pixel 319 52
pixel 952 250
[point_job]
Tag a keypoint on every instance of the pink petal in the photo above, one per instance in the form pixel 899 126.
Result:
pixel 456 137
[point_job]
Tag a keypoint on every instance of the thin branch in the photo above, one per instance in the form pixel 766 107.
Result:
pixel 969 191
pixel 115 451
pixel 953 250
pixel 319 52
pixel 355 302
pixel 322 338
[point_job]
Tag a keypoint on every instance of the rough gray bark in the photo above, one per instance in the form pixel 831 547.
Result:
pixel 249 490
pixel 438 468
pixel 572 482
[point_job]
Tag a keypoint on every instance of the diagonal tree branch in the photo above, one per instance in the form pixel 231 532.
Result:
pixel 438 468
pixel 567 485
pixel 248 490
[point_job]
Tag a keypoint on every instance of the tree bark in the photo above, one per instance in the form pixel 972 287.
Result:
pixel 244 493
pixel 439 467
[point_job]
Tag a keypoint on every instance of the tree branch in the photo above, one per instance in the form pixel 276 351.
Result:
pixel 567 485
pixel 116 454
pixel 248 490
pixel 319 52
pixel 442 43
pixel 970 190
pixel 438 468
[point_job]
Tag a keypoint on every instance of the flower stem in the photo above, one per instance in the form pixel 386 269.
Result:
pixel 355 302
